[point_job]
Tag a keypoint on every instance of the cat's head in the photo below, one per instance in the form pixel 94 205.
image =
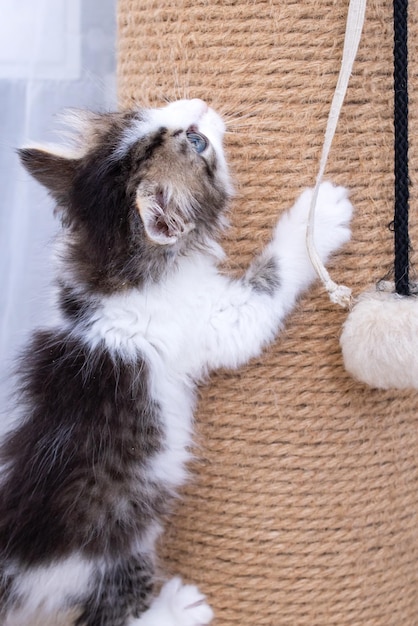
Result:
pixel 137 189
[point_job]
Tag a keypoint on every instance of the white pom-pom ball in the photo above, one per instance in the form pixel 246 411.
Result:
pixel 380 340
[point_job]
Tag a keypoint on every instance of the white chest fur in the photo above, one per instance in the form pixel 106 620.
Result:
pixel 164 323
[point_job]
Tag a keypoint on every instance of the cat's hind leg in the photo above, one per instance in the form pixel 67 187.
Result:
pixel 177 605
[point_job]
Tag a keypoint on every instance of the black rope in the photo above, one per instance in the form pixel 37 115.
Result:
pixel 400 74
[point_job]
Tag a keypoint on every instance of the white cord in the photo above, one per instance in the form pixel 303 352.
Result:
pixel 339 294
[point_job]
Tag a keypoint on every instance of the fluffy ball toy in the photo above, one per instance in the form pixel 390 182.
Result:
pixel 379 340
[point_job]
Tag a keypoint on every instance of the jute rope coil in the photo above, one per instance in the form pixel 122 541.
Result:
pixel 303 508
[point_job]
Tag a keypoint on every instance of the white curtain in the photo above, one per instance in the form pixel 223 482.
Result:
pixel 54 54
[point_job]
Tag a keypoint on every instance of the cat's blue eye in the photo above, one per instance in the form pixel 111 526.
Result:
pixel 198 141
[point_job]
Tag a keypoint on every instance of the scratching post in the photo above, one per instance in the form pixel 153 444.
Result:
pixel 303 507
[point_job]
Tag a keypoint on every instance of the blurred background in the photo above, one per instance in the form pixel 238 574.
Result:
pixel 54 54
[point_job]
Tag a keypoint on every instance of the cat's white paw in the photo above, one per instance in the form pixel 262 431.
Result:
pixel 332 217
pixel 186 603
pixel 178 605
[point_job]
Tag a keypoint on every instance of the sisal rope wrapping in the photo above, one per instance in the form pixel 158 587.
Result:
pixel 303 506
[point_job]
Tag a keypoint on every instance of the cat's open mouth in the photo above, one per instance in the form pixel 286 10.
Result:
pixel 163 220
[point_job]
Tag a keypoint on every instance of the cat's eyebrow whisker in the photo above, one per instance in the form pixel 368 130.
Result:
pixel 237 124
pixel 181 85
pixel 236 113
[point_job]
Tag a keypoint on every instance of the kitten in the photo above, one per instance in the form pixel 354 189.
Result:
pixel 107 396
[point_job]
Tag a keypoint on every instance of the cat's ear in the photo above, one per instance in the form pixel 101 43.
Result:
pixel 164 225
pixel 52 169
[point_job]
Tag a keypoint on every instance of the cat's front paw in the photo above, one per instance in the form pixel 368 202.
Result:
pixel 178 605
pixel 187 603
pixel 333 214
